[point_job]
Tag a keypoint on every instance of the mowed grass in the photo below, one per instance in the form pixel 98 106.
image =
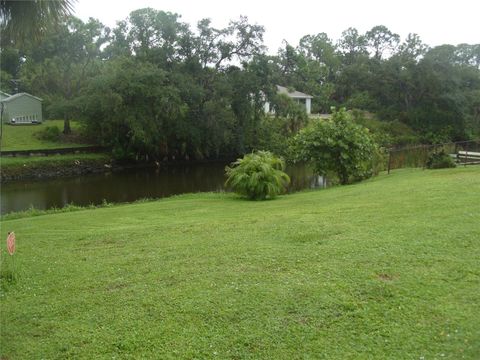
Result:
pixel 384 269
pixel 52 160
pixel 23 137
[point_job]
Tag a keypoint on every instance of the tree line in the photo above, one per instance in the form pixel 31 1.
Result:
pixel 154 87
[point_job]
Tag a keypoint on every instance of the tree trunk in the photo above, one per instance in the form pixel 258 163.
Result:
pixel 67 130
pixel 343 175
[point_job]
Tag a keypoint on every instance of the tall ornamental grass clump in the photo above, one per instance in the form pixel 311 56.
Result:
pixel 257 176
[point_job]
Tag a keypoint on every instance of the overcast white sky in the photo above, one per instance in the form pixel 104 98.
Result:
pixel 437 22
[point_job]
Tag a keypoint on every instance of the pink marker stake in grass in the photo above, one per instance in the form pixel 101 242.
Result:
pixel 11 249
pixel 11 243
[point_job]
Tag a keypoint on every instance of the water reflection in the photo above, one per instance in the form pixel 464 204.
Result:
pixel 130 185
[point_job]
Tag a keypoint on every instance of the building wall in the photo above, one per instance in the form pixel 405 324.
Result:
pixel 23 106
pixel 308 106
pixel 307 103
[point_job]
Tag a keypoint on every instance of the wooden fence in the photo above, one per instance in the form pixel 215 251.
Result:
pixel 463 152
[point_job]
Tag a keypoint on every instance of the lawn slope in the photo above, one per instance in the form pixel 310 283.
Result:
pixel 384 269
pixel 25 137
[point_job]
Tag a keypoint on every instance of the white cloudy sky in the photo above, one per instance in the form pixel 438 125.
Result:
pixel 436 21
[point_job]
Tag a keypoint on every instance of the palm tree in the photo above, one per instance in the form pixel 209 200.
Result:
pixel 22 20
pixel 258 175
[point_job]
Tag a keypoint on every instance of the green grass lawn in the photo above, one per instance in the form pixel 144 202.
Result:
pixel 22 137
pixel 52 160
pixel 384 269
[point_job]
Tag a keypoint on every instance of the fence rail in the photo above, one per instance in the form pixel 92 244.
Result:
pixel 463 152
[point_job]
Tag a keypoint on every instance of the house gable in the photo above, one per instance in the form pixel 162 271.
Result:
pixel 294 94
pixel 22 108
pixel 302 98
pixel 4 95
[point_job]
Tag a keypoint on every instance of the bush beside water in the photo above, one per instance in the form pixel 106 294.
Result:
pixel 339 146
pixel 439 160
pixel 258 176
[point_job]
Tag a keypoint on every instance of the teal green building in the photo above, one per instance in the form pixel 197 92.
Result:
pixel 21 108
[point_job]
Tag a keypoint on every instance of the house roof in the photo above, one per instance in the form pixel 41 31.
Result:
pixel 4 94
pixel 293 94
pixel 19 95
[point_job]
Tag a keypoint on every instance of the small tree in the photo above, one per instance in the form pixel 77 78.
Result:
pixel 257 176
pixel 337 145
pixel 293 112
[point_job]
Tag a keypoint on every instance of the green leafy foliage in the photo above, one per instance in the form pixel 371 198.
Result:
pixel 199 93
pixel 386 133
pixel 24 20
pixel 273 134
pixel 337 145
pixel 138 108
pixel 439 160
pixel 257 176
pixel 175 97
pixel 50 133
pixel 290 110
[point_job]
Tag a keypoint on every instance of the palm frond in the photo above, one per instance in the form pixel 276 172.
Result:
pixel 257 175
pixel 21 20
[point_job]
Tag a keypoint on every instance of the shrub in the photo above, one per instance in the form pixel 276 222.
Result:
pixel 339 146
pixel 439 160
pixel 273 135
pixel 386 133
pixel 274 132
pixel 401 133
pixel 257 176
pixel 50 133
pixel 290 110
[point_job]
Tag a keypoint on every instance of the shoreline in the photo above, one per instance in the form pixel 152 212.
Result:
pixel 59 166
pixel 24 168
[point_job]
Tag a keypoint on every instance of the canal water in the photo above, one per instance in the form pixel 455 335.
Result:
pixel 130 185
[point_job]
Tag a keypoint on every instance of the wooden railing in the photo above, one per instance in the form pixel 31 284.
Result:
pixel 464 153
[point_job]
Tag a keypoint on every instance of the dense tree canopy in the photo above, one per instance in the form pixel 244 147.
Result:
pixel 154 87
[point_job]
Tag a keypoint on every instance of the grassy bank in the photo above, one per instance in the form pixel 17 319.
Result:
pixel 387 268
pixel 25 137
pixel 14 168
pixel 54 160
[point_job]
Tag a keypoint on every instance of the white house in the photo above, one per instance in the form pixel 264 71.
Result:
pixel 297 96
